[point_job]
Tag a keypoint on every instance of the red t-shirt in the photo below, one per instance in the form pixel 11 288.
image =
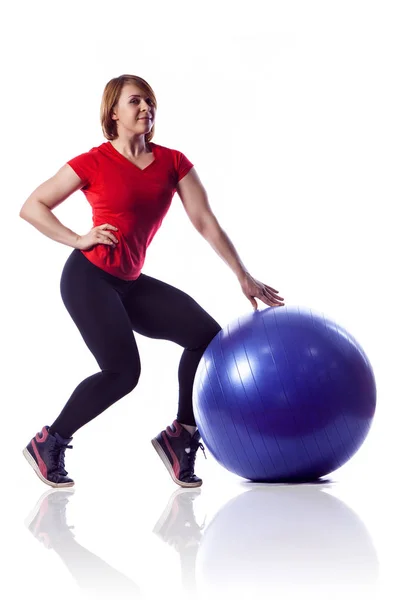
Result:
pixel 134 200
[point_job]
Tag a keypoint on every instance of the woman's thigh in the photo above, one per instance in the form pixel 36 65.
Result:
pixel 97 310
pixel 159 310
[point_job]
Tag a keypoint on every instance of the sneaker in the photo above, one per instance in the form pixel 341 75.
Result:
pixel 177 449
pixel 45 453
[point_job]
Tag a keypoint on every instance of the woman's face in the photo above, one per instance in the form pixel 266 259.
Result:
pixel 135 111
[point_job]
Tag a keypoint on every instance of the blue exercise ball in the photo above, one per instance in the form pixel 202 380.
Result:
pixel 283 394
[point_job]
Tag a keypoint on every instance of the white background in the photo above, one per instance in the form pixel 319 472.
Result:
pixel 290 113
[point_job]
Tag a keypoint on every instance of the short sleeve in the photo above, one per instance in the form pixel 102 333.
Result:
pixel 85 166
pixel 183 166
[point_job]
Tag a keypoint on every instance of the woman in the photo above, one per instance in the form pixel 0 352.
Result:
pixel 129 181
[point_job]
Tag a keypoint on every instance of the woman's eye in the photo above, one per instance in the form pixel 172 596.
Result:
pixel 148 100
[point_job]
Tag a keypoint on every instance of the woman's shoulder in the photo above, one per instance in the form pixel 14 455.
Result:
pixel 92 153
pixel 166 149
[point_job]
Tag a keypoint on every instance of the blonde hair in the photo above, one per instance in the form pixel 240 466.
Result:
pixel 110 98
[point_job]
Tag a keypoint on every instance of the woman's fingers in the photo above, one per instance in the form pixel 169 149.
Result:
pixel 270 295
pixel 270 289
pixel 112 240
pixel 272 298
pixel 108 226
pixel 107 238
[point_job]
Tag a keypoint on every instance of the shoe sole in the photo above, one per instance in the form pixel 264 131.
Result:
pixel 170 470
pixel 35 467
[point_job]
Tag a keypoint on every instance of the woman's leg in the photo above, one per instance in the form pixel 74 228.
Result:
pixel 93 299
pixel 159 310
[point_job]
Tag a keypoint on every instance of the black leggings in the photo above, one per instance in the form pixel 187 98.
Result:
pixel 106 310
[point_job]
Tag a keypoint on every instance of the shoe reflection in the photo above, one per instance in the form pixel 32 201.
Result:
pixel 178 527
pixel 47 522
pixel 294 538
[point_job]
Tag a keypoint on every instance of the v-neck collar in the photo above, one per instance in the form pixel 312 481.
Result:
pixel 124 159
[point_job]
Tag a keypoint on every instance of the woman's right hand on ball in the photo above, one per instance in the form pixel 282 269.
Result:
pixel 98 235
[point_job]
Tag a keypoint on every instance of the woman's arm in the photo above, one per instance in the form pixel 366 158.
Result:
pixel 195 201
pixel 219 240
pixel 37 210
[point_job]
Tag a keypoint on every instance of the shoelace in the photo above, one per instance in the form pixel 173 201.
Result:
pixel 202 448
pixel 58 453
pixel 192 455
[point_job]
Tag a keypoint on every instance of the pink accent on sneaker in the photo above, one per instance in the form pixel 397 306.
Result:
pixel 42 466
pixel 43 438
pixel 175 464
pixel 178 428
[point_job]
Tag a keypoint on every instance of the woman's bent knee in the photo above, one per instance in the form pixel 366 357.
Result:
pixel 206 337
pixel 125 379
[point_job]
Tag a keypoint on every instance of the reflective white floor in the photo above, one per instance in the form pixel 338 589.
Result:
pixel 231 538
